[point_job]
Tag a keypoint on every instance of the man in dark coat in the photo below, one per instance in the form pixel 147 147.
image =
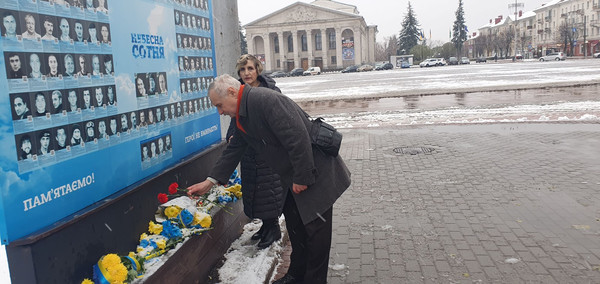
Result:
pixel 276 128
pixel 261 187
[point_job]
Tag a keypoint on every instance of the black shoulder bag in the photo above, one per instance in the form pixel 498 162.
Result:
pixel 325 137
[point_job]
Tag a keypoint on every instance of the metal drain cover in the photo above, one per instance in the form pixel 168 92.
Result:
pixel 413 150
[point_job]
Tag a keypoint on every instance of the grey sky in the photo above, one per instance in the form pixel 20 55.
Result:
pixel 435 15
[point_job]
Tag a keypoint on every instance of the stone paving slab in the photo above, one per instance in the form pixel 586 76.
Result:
pixel 478 195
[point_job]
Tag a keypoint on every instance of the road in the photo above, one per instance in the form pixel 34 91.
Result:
pixel 475 93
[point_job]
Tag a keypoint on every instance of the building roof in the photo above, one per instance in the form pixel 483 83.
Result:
pixel 551 3
pixel 329 4
pixel 325 5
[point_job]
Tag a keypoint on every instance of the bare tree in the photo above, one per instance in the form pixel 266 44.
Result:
pixel 380 51
pixel 567 35
pixel 481 45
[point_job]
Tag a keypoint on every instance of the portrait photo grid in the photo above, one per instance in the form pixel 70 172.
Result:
pixel 60 75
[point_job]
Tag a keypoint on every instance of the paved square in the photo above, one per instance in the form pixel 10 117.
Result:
pixel 501 203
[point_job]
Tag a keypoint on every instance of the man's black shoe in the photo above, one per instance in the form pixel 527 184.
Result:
pixel 271 234
pixel 287 279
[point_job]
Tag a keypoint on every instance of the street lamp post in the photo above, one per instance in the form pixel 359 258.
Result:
pixel 516 5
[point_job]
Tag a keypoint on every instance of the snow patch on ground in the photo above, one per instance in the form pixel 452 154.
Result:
pixel 244 263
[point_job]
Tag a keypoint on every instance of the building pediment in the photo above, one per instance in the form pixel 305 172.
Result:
pixel 301 13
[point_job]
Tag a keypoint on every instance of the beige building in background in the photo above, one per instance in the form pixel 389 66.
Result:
pixel 323 33
pixel 542 30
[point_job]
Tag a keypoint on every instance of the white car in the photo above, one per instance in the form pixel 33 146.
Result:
pixel 312 71
pixel 597 55
pixel 558 56
pixel 429 62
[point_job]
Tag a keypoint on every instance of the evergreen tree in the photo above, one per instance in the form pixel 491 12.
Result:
pixel 459 30
pixel 409 35
pixel 243 43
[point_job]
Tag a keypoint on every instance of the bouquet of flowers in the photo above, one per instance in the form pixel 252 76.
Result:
pixel 112 268
pixel 178 217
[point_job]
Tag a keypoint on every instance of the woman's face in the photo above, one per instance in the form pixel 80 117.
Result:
pixel 249 74
pixel 77 133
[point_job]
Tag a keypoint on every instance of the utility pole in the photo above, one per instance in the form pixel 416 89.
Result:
pixel 516 5
pixel 584 35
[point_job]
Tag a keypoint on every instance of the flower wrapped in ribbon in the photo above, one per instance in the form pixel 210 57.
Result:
pixel 112 268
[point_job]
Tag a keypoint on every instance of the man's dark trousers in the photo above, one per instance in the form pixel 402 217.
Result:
pixel 311 243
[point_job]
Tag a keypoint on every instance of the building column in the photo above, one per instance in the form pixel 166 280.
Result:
pixel 357 46
pixel 338 48
pixel 250 43
pixel 310 48
pixel 282 51
pixel 268 53
pixel 296 51
pixel 324 42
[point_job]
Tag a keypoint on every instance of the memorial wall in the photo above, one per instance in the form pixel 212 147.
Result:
pixel 97 96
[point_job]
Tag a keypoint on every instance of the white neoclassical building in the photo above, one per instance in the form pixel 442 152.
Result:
pixel 323 33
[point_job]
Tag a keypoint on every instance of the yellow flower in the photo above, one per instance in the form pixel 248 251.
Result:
pixel 172 211
pixel 117 273
pixel 139 248
pixel 110 260
pixel 143 236
pixel 202 219
pixel 236 190
pixel 87 281
pixel 154 228
pixel 113 269
pixel 161 244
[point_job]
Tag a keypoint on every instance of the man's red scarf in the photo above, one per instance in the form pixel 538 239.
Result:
pixel 237 112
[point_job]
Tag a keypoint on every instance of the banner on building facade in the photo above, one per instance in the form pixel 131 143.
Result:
pixel 348 48
pixel 97 95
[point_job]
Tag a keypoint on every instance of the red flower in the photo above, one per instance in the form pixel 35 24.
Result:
pixel 162 198
pixel 173 188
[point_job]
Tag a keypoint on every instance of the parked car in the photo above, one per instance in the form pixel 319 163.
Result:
pixel 404 64
pixel 440 61
pixel 297 72
pixel 350 69
pixel 554 56
pixel 429 62
pixel 452 61
pixel 465 60
pixel 384 66
pixel 364 68
pixel 278 74
pixel 597 55
pixel 480 59
pixel 312 71
pixel 519 56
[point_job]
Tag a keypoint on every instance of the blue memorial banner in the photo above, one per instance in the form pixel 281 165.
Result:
pixel 97 96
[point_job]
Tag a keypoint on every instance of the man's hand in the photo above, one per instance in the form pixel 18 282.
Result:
pixel 199 188
pixel 297 188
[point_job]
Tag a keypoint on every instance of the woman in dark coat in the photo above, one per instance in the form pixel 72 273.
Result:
pixel 262 193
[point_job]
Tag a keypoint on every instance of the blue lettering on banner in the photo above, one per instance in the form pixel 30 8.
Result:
pixel 147 46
